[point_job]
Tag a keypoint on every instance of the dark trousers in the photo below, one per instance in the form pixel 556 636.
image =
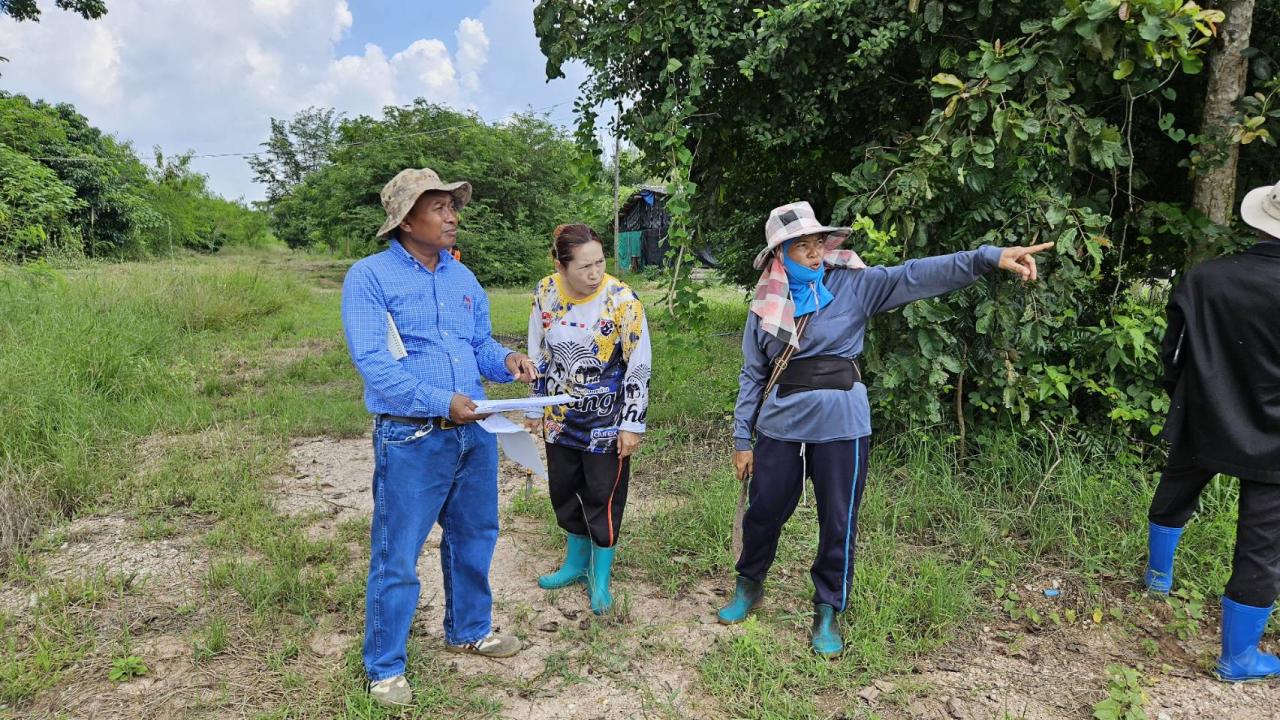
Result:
pixel 1255 570
pixel 839 473
pixel 588 491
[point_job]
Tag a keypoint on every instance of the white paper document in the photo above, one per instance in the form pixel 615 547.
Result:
pixel 394 344
pixel 516 443
pixel 537 402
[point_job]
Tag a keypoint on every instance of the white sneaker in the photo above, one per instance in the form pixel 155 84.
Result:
pixel 392 691
pixel 494 646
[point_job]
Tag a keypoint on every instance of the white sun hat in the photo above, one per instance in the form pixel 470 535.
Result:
pixel 1261 209
pixel 794 220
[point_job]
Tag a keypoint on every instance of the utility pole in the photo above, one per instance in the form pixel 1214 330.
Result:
pixel 617 172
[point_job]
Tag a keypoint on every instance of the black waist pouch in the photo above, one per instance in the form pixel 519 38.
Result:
pixel 821 372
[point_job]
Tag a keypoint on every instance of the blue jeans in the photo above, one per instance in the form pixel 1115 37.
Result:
pixel 423 475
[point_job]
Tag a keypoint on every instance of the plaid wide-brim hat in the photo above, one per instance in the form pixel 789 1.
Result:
pixel 1261 209
pixel 399 195
pixel 796 220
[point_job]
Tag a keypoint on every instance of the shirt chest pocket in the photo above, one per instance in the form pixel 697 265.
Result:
pixel 449 317
pixel 457 317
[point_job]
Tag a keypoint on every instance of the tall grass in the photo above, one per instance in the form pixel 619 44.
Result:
pixel 203 355
pixel 92 359
pixel 935 539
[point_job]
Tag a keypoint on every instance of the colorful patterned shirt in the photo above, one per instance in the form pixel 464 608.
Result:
pixel 595 348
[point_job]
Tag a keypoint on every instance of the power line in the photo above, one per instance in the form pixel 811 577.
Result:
pixel 381 141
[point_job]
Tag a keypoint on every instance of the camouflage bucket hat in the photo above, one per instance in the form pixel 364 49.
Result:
pixel 399 195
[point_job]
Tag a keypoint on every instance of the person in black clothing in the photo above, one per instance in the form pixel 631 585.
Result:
pixel 1221 355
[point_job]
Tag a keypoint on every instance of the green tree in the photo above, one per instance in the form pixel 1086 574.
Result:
pixel 1215 186
pixel 108 179
pixel 295 149
pixel 196 218
pixel 68 188
pixel 522 171
pixel 35 209
pixel 934 126
pixel 30 9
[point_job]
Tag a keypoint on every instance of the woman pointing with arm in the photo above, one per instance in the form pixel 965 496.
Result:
pixel 802 406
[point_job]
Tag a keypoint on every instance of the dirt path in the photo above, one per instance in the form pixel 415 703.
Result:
pixel 643 663
pixel 652 664
pixel 995 672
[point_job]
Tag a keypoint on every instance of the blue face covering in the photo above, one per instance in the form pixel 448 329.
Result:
pixel 807 290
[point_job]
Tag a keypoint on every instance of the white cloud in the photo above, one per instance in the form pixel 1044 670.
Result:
pixel 426 65
pixel 10 40
pixel 342 20
pixel 99 62
pixel 275 10
pixel 363 83
pixel 265 72
pixel 514 78
pixel 190 74
pixel 473 51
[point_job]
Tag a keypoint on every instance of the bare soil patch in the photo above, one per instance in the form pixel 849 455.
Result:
pixel 1016 670
pixel 97 547
pixel 655 642
pixel 642 662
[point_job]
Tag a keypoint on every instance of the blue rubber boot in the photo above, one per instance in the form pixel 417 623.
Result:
pixel 1242 627
pixel 577 554
pixel 746 596
pixel 826 633
pixel 1161 543
pixel 598 579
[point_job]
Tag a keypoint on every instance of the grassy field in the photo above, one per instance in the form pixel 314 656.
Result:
pixel 168 393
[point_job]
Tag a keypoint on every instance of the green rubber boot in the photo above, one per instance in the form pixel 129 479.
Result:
pixel 598 579
pixel 577 554
pixel 746 596
pixel 826 632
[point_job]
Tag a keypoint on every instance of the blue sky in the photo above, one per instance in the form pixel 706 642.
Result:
pixel 195 75
pixel 399 23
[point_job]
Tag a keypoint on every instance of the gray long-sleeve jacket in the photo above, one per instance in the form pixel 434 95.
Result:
pixel 838 329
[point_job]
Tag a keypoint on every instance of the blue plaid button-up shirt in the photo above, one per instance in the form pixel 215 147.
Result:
pixel 443 320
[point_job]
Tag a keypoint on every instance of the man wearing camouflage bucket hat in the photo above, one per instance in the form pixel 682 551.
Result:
pixel 417 327
pixel 404 190
pixel 802 410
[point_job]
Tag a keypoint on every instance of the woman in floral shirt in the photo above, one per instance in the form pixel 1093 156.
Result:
pixel 588 337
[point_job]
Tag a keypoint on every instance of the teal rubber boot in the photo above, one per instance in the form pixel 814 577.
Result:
pixel 577 554
pixel 746 596
pixel 826 633
pixel 598 579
